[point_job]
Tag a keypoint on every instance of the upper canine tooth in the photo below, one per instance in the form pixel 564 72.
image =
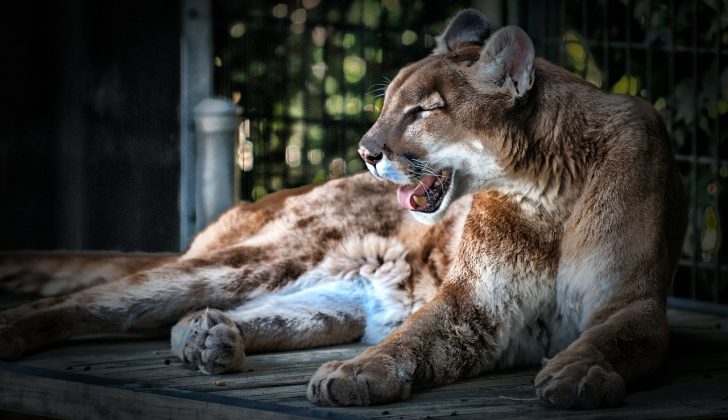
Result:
pixel 420 200
pixel 445 173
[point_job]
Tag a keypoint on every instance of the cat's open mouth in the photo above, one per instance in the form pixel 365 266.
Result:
pixel 427 194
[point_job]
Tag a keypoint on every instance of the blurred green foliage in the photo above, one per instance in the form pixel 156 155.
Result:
pixel 309 76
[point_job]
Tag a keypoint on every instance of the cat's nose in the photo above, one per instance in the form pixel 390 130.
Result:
pixel 369 157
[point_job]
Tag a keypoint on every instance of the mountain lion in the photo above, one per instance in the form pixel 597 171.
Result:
pixel 516 215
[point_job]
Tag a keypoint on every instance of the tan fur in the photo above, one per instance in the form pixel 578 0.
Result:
pixel 251 251
pixel 57 273
pixel 568 252
pixel 555 239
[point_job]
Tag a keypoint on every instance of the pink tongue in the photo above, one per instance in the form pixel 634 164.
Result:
pixel 405 195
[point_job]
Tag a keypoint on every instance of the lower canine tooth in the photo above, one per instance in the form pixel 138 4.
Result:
pixel 420 200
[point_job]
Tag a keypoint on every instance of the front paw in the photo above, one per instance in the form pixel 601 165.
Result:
pixel 208 341
pixel 579 384
pixel 365 380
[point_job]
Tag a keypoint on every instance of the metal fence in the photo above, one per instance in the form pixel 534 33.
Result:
pixel 306 75
pixel 671 53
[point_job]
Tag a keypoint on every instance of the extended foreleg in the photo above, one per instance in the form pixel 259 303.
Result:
pixel 447 339
pixel 623 343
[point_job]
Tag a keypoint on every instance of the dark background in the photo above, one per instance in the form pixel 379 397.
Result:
pixel 89 148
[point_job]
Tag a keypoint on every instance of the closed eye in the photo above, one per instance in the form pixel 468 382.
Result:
pixel 417 110
pixel 414 111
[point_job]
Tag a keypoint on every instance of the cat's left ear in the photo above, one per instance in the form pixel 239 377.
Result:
pixel 467 27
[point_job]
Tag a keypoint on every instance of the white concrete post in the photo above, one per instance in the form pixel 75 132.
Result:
pixel 216 126
pixel 196 66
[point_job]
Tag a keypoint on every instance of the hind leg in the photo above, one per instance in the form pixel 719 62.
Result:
pixel 214 341
pixel 58 272
pixel 356 292
pixel 145 302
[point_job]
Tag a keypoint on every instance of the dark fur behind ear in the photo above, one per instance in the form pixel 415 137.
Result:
pixel 467 27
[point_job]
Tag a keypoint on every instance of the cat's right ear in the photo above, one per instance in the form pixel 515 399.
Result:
pixel 469 27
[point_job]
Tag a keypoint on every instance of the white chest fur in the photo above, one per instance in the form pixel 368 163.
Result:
pixel 582 287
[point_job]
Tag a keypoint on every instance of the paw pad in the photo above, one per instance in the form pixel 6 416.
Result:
pixel 362 381
pixel 579 385
pixel 209 342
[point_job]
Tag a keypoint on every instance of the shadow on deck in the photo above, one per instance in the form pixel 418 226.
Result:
pixel 133 378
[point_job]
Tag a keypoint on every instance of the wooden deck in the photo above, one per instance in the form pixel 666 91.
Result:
pixel 135 378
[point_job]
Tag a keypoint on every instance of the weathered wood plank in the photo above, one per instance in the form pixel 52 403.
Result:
pixel 254 366
pixel 131 377
pixel 69 395
pixel 692 396
pixel 678 317
pixel 281 393
pixel 156 363
pixel 91 352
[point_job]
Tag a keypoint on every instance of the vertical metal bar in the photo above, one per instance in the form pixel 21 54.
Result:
pixel 364 87
pixel 605 43
pixel 716 134
pixel 306 71
pixel 284 95
pixel 227 58
pixel 545 30
pixel 628 38
pixel 648 52
pixel 585 37
pixel 247 179
pixel 559 40
pixel 332 148
pixel 694 146
pixel 267 135
pixel 270 116
pixel 325 120
pixel 195 85
pixel 671 96
pixel 671 70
